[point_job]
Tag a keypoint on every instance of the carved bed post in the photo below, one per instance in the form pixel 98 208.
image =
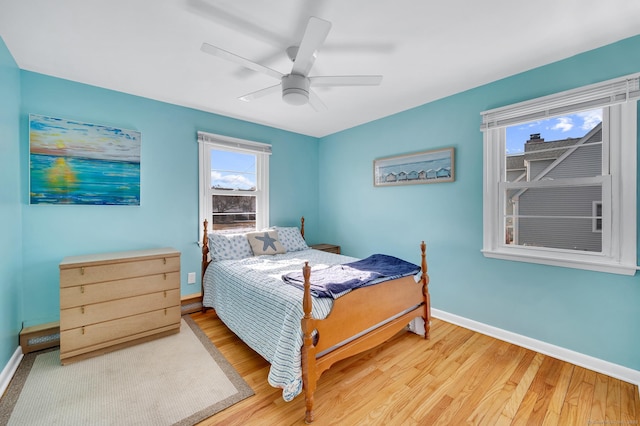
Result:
pixel 302 226
pixel 309 376
pixel 425 292
pixel 205 261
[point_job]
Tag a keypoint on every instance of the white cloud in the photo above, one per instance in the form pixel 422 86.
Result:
pixel 231 181
pixel 590 119
pixel 564 124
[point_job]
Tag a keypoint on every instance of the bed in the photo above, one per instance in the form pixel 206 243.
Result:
pixel 302 335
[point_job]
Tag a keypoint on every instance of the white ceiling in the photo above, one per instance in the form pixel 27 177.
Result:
pixel 424 49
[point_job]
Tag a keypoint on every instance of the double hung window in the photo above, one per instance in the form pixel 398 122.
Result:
pixel 234 183
pixel 560 178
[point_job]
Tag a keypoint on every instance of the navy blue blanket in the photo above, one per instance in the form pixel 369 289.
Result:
pixel 334 280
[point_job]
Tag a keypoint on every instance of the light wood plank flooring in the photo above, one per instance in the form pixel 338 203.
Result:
pixel 457 377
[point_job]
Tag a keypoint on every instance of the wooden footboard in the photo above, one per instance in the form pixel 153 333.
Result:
pixel 360 320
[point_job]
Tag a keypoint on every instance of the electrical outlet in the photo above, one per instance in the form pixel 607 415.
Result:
pixel 191 278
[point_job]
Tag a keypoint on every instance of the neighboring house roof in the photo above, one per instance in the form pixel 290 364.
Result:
pixel 515 162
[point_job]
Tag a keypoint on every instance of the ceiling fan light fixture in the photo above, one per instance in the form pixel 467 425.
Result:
pixel 295 89
pixel 295 96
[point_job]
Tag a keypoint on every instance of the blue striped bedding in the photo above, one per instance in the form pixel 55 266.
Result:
pixel 250 297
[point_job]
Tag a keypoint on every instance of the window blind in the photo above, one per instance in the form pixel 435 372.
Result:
pixel 597 95
pixel 237 144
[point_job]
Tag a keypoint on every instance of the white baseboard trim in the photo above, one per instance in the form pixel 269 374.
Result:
pixel 605 367
pixel 10 369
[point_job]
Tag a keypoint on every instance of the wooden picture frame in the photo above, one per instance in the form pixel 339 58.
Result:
pixel 435 166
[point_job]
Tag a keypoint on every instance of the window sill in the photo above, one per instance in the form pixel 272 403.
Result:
pixel 600 264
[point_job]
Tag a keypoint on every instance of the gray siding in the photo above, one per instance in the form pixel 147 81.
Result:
pixel 574 234
pixel 536 167
pixel 512 175
pixel 585 161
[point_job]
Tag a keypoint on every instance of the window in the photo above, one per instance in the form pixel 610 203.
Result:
pixel 560 179
pixel 596 224
pixel 234 183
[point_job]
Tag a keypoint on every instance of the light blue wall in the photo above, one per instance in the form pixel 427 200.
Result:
pixel 10 217
pixel 593 313
pixel 168 214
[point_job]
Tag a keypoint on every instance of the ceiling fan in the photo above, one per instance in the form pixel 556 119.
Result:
pixel 296 86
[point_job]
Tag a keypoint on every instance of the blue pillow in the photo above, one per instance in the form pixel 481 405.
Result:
pixel 291 238
pixel 228 246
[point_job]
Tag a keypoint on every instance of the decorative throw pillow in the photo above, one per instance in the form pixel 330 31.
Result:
pixel 228 246
pixel 291 238
pixel 265 242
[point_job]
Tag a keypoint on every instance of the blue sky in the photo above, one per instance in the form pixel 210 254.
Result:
pixel 233 170
pixel 552 129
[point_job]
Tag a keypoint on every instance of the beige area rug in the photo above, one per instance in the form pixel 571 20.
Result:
pixel 175 380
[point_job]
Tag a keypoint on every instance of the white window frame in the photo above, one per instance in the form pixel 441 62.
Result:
pixel 208 142
pixel 618 98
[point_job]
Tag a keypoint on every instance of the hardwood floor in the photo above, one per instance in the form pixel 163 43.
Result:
pixel 457 377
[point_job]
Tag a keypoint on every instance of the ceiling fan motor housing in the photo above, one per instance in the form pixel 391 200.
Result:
pixel 295 89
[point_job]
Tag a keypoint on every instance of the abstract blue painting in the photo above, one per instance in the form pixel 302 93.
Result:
pixel 80 163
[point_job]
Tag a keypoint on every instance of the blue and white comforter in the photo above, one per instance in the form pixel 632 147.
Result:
pixel 249 295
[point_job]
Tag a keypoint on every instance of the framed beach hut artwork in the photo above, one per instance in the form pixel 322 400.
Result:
pixel 435 166
pixel 80 163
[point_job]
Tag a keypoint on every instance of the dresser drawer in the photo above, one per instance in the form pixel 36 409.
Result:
pixel 116 331
pixel 98 312
pixel 92 293
pixel 80 275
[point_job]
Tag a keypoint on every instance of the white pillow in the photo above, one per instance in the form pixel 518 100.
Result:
pixel 228 246
pixel 265 242
pixel 291 238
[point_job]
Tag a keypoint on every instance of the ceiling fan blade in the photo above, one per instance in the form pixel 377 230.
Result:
pixel 315 34
pixel 346 80
pixel 260 93
pixel 221 53
pixel 316 103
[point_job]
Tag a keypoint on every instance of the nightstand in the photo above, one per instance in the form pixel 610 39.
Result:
pixel 331 248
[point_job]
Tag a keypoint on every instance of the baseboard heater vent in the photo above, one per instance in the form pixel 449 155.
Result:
pixel 190 308
pixel 191 304
pixel 39 337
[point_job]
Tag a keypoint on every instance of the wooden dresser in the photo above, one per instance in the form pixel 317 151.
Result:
pixel 113 300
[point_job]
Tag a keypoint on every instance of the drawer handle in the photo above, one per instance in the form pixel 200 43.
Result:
pixel 165 311
pixel 165 276
pixel 164 260
pixel 82 271
pixel 165 294
pixel 81 289
pixel 82 309
pixel 82 330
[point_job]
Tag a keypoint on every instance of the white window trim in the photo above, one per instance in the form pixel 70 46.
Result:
pixel 209 141
pixel 619 251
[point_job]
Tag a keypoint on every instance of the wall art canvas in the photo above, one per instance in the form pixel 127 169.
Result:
pixel 423 167
pixel 80 163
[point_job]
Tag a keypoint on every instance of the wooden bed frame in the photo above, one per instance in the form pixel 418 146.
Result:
pixel 372 314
